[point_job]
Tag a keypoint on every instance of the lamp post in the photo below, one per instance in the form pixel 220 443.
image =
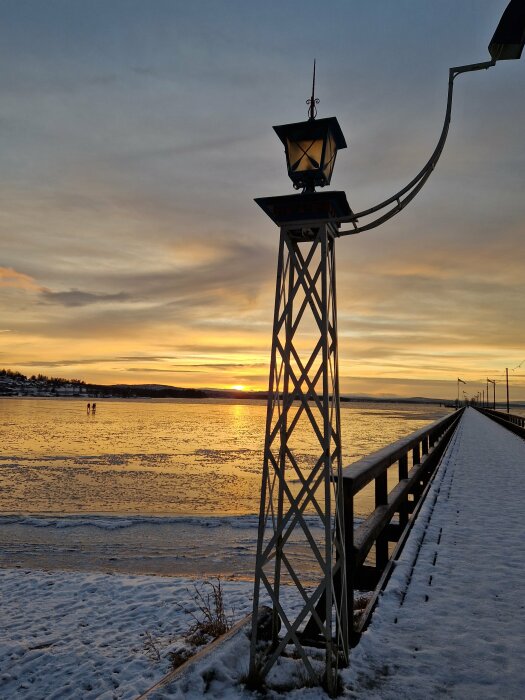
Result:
pixel 507 379
pixel 305 528
pixel 460 381
pixel 303 405
pixel 493 382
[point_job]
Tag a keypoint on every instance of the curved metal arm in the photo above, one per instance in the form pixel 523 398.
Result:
pixel 407 194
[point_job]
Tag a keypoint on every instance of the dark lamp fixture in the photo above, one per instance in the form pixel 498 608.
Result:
pixel 311 148
pixel 509 37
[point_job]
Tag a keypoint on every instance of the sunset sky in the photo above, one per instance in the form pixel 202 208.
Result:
pixel 135 136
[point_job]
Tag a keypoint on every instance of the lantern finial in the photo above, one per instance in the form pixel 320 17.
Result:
pixel 312 109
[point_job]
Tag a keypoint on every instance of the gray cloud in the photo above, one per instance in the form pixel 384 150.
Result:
pixel 93 361
pixel 75 297
pixel 224 365
pixel 155 370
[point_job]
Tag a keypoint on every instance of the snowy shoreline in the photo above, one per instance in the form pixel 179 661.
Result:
pixel 71 634
pixel 193 547
pixel 166 546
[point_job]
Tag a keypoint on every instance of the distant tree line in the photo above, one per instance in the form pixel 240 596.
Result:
pixel 131 391
pixel 13 375
pixel 134 392
pixel 43 378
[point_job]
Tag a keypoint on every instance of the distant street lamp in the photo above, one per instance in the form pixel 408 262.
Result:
pixel 493 382
pixel 460 381
pixel 301 508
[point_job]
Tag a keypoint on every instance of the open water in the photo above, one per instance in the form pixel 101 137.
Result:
pixel 168 486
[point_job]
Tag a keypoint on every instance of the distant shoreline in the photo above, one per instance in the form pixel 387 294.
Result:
pixel 227 396
pixel 247 396
pixel 17 385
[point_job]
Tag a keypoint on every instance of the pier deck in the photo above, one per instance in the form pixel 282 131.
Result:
pixel 451 621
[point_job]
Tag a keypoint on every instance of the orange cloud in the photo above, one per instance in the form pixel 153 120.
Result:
pixel 18 280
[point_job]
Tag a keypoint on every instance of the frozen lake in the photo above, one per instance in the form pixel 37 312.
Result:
pixel 168 486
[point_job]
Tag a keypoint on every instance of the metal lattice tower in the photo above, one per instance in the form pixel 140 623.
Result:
pixel 301 528
pixel 301 522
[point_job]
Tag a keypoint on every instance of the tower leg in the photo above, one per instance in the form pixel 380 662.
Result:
pixel 301 520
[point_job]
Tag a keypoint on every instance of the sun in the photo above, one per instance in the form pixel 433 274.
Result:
pixel 238 387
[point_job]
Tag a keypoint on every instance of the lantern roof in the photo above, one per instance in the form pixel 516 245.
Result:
pixel 311 129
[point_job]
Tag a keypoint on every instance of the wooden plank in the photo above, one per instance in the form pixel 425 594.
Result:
pixel 199 656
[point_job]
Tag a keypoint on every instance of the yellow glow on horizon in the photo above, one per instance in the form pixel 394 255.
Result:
pixel 239 387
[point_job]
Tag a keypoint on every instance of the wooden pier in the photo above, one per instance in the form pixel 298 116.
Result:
pixel 442 555
pixel 450 622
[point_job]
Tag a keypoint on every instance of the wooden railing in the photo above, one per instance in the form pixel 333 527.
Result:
pixel 414 460
pixel 509 420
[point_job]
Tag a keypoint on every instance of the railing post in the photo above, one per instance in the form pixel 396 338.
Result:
pixel 348 495
pixel 381 493
pixel 403 508
pixel 416 459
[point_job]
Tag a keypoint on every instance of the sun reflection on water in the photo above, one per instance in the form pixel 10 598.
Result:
pixel 166 457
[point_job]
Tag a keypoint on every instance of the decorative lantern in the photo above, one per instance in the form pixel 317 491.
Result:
pixel 311 148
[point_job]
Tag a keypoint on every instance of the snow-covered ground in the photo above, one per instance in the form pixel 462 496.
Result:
pixel 450 626
pixel 84 636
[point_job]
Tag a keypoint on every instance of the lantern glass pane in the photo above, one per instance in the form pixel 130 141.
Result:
pixel 329 157
pixel 305 155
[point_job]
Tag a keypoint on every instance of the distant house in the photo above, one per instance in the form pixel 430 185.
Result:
pixel 68 390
